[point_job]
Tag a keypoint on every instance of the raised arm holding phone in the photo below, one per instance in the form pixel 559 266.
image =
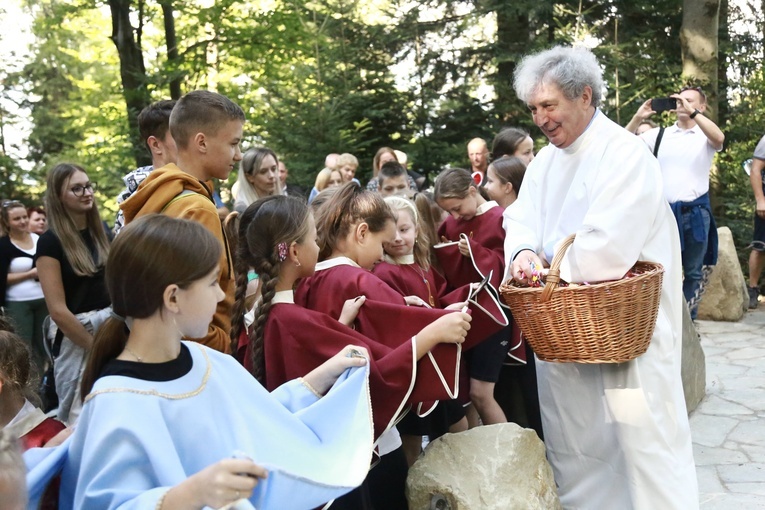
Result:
pixel 685 152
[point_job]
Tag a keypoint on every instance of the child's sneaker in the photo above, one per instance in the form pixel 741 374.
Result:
pixel 754 294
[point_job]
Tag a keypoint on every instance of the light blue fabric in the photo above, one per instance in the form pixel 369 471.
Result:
pixel 130 447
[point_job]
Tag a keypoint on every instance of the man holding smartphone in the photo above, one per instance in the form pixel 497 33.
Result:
pixel 685 153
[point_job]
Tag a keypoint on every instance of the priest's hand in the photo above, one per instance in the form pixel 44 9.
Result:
pixel 351 309
pixel 217 485
pixel 521 268
pixel 324 376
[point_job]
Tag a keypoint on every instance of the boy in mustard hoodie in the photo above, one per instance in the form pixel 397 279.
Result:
pixel 207 129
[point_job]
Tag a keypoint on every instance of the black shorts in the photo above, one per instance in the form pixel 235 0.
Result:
pixel 435 424
pixel 758 240
pixel 485 359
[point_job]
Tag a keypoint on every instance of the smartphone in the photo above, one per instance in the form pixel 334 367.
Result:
pixel 663 104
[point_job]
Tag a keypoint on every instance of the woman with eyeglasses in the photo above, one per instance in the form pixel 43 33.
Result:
pixel 70 261
pixel 20 290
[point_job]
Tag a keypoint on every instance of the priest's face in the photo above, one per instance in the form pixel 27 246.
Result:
pixel 562 120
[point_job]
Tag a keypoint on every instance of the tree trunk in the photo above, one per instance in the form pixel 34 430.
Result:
pixel 132 73
pixel 698 43
pixel 722 71
pixel 173 59
pixel 512 42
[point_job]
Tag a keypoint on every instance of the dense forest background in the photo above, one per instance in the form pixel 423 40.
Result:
pixel 321 76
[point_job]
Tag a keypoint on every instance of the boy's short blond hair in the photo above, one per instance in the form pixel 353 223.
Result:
pixel 201 111
pixel 347 159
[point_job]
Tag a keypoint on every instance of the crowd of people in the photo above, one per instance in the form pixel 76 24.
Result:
pixel 313 338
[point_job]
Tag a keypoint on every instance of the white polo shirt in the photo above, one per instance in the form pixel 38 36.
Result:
pixel 685 157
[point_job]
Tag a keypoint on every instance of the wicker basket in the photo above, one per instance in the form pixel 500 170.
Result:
pixel 609 322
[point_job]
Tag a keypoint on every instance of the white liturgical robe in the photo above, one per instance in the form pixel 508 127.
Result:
pixel 617 435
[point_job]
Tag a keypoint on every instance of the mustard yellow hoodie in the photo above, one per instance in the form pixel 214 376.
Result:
pixel 165 185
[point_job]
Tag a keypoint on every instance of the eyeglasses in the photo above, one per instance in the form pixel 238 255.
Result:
pixel 79 191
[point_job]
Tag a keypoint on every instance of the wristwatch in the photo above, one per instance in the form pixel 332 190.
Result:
pixel 695 112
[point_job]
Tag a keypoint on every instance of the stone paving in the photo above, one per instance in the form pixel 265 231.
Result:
pixel 728 426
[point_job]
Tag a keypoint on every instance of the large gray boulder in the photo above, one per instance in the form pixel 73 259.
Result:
pixel 490 467
pixel 725 297
pixel 693 366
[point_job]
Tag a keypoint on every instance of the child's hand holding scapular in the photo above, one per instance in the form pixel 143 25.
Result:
pixel 351 309
pixel 321 378
pixel 416 301
pixel 217 485
pixel 451 328
pixel 464 247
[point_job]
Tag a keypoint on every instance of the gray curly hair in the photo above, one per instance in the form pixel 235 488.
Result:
pixel 570 68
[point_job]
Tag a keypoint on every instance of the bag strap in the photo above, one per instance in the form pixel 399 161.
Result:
pixel 658 142
pixel 177 197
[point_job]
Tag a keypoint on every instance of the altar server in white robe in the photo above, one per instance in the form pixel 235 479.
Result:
pixel 617 435
pixel 168 424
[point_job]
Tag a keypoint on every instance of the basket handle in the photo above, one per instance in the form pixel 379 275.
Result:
pixel 553 275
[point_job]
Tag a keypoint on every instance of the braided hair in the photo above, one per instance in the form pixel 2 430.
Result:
pixel 266 230
pixel 235 230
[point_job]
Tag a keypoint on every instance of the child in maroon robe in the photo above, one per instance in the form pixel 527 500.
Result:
pixel 18 415
pixel 406 268
pixel 20 420
pixel 277 238
pixel 472 247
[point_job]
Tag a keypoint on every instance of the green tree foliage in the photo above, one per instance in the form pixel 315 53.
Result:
pixel 743 126
pixel 354 75
pixel 74 96
pixel 320 82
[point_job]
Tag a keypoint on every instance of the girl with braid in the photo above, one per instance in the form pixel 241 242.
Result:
pixel 277 238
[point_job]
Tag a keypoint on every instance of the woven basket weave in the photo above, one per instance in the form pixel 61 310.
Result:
pixel 609 322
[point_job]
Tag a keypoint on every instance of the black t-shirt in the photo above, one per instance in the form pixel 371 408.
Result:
pixel 90 289
pixel 159 372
